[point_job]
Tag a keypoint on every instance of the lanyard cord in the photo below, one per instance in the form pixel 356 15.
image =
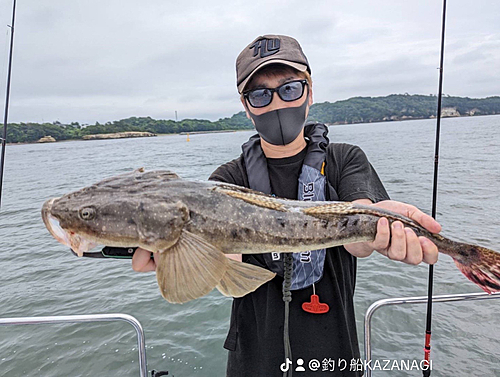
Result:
pixel 287 297
pixel 427 348
pixel 7 97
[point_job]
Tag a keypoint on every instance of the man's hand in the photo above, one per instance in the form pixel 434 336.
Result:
pixel 397 242
pixel 142 262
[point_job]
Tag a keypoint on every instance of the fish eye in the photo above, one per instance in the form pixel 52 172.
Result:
pixel 87 213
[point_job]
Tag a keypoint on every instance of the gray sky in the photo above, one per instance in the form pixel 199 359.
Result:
pixel 106 60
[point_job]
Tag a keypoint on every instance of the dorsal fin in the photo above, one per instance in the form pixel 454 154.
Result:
pixel 162 174
pixel 256 198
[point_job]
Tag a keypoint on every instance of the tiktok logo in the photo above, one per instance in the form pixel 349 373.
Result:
pixel 266 46
pixel 286 365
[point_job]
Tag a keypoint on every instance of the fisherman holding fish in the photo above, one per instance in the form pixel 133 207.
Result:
pixel 292 159
pixel 279 229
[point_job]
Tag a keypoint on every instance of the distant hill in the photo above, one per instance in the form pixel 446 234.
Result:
pixel 32 132
pixel 353 110
pixel 399 107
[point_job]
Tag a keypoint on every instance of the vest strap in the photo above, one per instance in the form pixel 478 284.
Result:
pixel 313 185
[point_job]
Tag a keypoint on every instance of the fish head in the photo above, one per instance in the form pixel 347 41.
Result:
pixel 114 215
pixel 65 236
pixel 81 224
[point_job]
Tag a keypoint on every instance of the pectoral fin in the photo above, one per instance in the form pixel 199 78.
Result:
pixel 189 269
pixel 242 278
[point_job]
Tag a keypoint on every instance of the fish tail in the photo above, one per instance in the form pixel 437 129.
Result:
pixel 242 278
pixel 481 267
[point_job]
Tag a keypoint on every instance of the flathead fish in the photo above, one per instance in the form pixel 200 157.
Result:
pixel 192 224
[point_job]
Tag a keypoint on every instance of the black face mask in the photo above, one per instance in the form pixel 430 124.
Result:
pixel 281 126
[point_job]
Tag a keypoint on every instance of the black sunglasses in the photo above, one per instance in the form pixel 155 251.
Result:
pixel 291 91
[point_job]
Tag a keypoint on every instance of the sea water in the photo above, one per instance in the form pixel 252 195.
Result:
pixel 40 277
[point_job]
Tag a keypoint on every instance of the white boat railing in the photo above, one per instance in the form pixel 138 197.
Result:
pixel 89 318
pixel 412 300
pixel 142 343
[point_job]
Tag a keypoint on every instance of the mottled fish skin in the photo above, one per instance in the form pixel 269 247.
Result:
pixel 154 209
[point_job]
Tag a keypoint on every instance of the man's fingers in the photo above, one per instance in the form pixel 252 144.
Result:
pixel 397 250
pixel 429 250
pixel 383 236
pixel 413 248
pixel 423 219
pixel 404 245
pixel 142 262
pixel 412 212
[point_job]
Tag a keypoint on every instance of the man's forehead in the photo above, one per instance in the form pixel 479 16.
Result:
pixel 270 79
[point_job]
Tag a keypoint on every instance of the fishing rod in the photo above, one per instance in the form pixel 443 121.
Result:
pixel 7 97
pixel 427 347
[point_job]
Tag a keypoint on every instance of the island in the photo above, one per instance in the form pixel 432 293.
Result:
pixel 394 107
pixel 119 135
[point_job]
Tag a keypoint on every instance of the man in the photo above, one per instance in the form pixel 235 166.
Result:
pixel 291 159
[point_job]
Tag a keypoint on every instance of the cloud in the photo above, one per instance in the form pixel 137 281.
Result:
pixel 106 60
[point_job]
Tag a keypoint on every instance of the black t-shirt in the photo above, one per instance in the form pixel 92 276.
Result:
pixel 255 339
pixel 284 174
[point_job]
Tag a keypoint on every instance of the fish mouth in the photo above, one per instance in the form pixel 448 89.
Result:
pixel 75 241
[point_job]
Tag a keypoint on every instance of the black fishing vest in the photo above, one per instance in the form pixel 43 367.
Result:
pixel 313 185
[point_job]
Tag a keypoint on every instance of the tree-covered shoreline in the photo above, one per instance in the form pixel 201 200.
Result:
pixel 354 110
pixel 400 107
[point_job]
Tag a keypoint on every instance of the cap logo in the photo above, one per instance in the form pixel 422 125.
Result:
pixel 266 46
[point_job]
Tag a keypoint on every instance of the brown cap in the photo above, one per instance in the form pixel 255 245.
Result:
pixel 269 49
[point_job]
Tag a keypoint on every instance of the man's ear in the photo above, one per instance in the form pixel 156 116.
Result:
pixel 243 102
pixel 310 95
